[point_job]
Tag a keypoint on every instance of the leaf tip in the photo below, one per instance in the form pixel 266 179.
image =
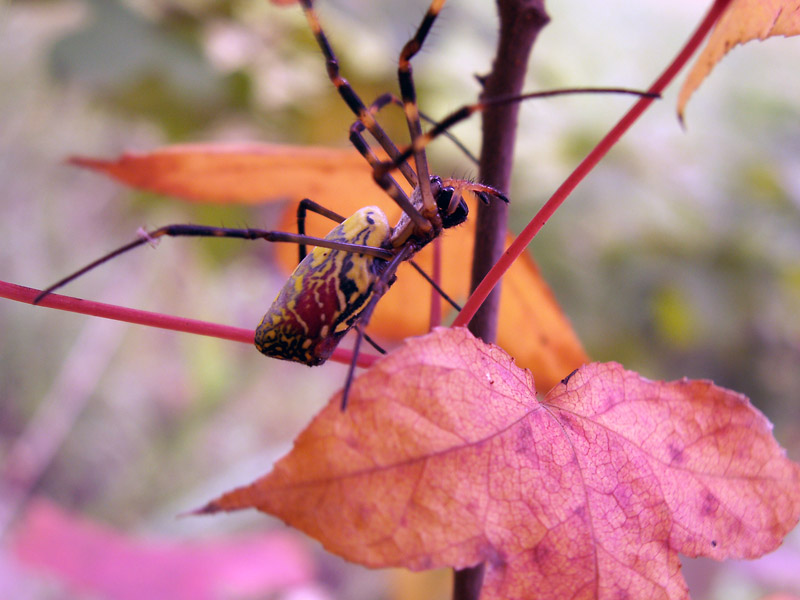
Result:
pixel 209 508
pixel 86 162
pixel 566 379
pixel 681 119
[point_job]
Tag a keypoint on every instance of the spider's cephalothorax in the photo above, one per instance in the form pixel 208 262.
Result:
pixel 451 210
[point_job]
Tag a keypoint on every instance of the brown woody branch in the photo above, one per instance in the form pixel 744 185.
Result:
pixel 520 24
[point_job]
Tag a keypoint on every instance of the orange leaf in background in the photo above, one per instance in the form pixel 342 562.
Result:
pixel 249 173
pixel 532 326
pixel 444 457
pixel 745 20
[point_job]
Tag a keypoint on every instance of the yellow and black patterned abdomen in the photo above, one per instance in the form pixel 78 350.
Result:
pixel 326 294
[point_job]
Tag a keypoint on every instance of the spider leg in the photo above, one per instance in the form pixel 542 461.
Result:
pixel 389 98
pixel 418 144
pixel 386 181
pixel 350 96
pixel 435 285
pixel 218 232
pixel 303 208
pixel 409 96
pixel 379 289
pixel 458 143
pixel 374 344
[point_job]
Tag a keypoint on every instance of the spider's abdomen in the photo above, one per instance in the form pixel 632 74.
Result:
pixel 326 294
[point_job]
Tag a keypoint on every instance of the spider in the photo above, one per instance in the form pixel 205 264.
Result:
pixel 336 286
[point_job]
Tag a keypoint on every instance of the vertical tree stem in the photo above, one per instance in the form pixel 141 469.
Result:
pixel 520 24
pixel 467 583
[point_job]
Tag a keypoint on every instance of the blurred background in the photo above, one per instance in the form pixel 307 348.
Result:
pixel 679 256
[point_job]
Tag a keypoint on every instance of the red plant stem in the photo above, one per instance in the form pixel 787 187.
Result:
pixel 151 319
pixel 436 300
pixel 481 292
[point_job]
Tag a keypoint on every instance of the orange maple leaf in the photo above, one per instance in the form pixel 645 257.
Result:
pixel 446 458
pixel 250 173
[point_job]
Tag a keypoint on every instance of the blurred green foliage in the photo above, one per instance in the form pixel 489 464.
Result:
pixel 155 70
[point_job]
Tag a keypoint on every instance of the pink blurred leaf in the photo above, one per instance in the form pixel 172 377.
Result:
pixel 95 558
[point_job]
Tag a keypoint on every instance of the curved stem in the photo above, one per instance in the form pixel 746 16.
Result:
pixel 151 319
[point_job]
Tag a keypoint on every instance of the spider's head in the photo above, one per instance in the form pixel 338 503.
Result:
pixel 449 195
pixel 453 209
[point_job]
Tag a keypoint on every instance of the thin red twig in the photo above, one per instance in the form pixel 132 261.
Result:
pixel 152 319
